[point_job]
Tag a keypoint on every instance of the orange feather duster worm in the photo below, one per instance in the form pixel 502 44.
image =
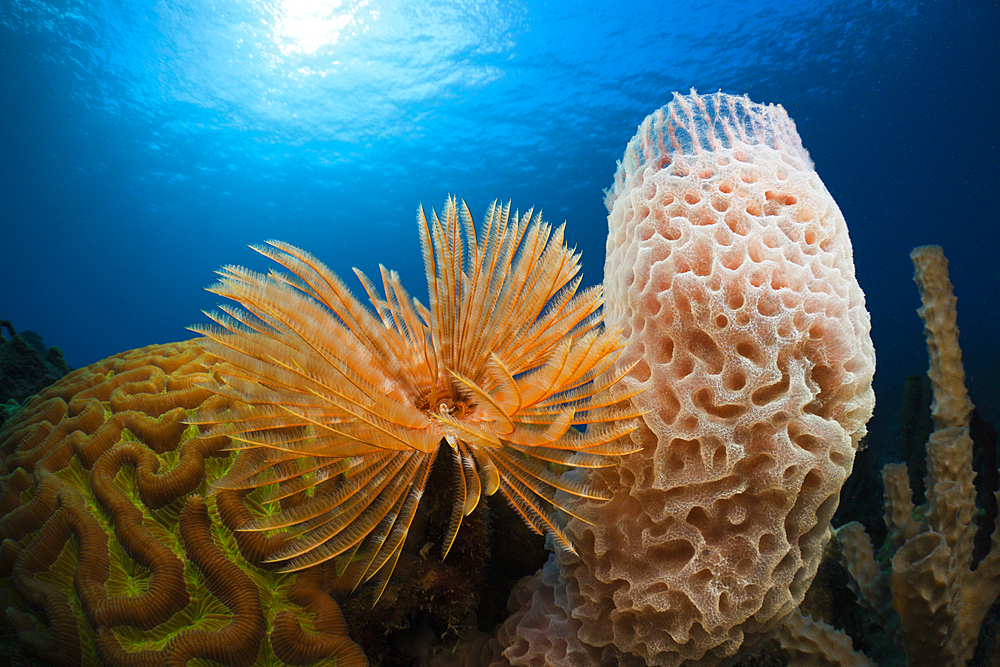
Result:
pixel 346 408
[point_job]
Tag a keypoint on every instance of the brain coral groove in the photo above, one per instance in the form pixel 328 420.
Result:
pixel 236 644
pixel 167 593
pixel 295 646
pixel 110 554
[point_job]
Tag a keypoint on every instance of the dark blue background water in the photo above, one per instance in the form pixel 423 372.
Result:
pixel 144 144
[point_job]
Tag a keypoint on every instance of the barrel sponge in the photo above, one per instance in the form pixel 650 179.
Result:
pixel 730 271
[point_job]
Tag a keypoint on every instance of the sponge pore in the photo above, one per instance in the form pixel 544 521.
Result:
pixel 730 271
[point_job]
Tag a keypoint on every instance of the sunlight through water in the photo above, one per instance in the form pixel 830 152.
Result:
pixel 305 26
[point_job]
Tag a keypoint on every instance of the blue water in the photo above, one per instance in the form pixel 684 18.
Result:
pixel 145 144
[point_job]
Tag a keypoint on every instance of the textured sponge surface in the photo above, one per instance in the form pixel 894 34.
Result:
pixel 730 270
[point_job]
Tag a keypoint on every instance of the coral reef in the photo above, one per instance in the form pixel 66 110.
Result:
pixel 111 552
pixel 26 367
pixel 934 596
pixel 730 272
pixel 206 499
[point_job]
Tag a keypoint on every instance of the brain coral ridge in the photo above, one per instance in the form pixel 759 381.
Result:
pixel 111 553
pixel 730 272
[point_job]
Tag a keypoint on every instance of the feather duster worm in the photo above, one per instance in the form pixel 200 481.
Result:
pixel 348 408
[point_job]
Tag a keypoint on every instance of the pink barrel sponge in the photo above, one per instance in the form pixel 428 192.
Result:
pixel 730 270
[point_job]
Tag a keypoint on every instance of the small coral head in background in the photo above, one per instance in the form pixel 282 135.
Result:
pixel 346 409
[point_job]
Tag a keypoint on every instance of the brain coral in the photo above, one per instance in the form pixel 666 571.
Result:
pixel 110 553
pixel 730 270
